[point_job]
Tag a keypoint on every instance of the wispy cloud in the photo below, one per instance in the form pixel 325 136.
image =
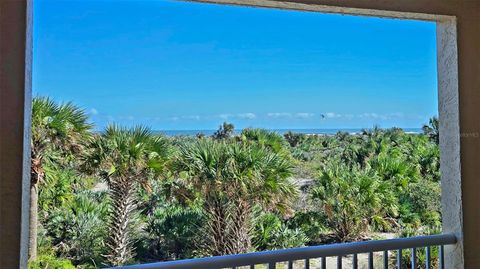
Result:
pixel 192 117
pixel 225 116
pixel 128 117
pixel 372 116
pixel 288 115
pixel 277 115
pixel 186 117
pixel 93 111
pixel 303 115
pixel 292 116
pixel 366 115
pixel 331 115
pixel 246 116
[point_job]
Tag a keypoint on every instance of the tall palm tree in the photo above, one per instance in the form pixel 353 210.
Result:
pixel 125 159
pixel 351 199
pixel 230 178
pixel 226 130
pixel 57 130
pixel 431 129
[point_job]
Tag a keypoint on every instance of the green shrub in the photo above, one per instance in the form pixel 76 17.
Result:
pixel 294 138
pixel 267 139
pixel 78 230
pixel 172 232
pixel 271 233
pixel 352 199
pixel 50 262
pixel 312 223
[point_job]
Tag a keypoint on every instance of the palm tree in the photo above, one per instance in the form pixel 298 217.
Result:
pixel 431 130
pixel 352 199
pixel 230 178
pixel 77 229
pixel 294 139
pixel 225 131
pixel 125 159
pixel 265 138
pixel 57 130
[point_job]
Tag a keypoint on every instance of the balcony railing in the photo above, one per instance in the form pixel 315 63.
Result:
pixel 289 256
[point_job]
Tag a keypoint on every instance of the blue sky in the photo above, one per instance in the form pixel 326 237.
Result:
pixel 179 65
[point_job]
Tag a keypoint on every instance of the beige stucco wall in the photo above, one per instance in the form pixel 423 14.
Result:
pixel 15 90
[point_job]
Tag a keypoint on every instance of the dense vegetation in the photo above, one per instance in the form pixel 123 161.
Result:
pixel 127 195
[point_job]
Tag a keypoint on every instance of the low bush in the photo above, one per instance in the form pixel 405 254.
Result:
pixel 271 233
pixel 51 262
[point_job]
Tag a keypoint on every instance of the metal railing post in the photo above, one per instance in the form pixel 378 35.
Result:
pixel 427 257
pixel 442 257
pixel 399 259
pixel 370 260
pixel 414 258
pixel 355 261
pixel 307 263
pixel 385 259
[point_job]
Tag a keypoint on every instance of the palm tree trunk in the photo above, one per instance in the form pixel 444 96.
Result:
pixel 123 204
pixel 32 246
pixel 240 230
pixel 217 243
pixel 36 176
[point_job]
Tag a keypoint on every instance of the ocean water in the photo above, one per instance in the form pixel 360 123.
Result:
pixel 280 131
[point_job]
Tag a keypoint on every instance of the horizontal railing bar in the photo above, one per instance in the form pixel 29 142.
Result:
pixel 291 254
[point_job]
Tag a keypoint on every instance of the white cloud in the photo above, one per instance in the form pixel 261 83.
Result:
pixel 291 115
pixel 93 111
pixel 369 115
pixel 248 116
pixel 185 117
pixel 331 115
pixel 126 117
pixel 279 115
pixel 304 115
pixel 366 115
pixel 288 115
pixel 348 116
pixel 191 117
pixel 225 116
pixel 397 115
